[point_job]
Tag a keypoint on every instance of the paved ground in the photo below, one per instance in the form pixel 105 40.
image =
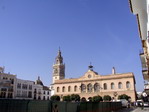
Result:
pixel 136 109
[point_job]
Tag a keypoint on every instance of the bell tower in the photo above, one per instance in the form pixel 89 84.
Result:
pixel 58 68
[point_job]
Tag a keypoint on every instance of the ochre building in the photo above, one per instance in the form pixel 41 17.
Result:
pixel 91 83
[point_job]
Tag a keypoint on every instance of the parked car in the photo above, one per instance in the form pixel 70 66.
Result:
pixel 139 103
pixel 146 104
pixel 124 102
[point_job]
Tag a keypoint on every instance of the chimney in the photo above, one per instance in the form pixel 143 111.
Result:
pixel 113 70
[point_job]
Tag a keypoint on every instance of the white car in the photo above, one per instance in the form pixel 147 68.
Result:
pixel 146 104
pixel 124 102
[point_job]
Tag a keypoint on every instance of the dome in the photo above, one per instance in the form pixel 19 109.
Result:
pixel 38 81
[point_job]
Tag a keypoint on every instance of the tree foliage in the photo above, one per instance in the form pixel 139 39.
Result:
pixel 66 98
pixel 124 96
pixel 83 99
pixel 107 98
pixel 97 98
pixel 74 97
pixel 90 99
pixel 55 98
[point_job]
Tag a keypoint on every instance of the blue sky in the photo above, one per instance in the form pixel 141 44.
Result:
pixel 103 32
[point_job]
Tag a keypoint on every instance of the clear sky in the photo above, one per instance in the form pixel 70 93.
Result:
pixel 103 32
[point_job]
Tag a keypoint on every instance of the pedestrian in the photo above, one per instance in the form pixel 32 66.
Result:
pixel 55 109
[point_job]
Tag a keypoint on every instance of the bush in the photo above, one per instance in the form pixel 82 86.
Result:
pixel 97 98
pixel 124 96
pixel 83 99
pixel 66 98
pixel 74 97
pixel 90 99
pixel 107 98
pixel 55 98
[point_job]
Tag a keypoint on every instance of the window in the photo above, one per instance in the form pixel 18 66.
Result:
pixel 63 89
pixel 12 81
pixel 39 98
pixel 18 93
pixel 48 98
pixel 30 87
pixel 112 85
pixel 44 98
pixel 44 92
pixel 35 91
pixel 127 84
pixel 19 86
pixel 119 85
pixel 24 86
pixel 58 90
pixel 105 86
pixel 96 87
pixel 75 88
pixel 69 89
pixel 24 94
pixel 3 89
pixel 83 88
pixel 9 95
pixel 29 94
pixel 89 87
pixel 3 95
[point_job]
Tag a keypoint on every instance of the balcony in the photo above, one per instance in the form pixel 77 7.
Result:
pixel 145 65
pixel 146 86
pixel 145 74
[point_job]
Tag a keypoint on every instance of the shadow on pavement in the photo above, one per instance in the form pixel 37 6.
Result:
pixel 127 109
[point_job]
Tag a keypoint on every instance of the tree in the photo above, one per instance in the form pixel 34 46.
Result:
pixel 97 98
pixel 90 99
pixel 74 97
pixel 66 98
pixel 83 99
pixel 124 96
pixel 55 98
pixel 107 98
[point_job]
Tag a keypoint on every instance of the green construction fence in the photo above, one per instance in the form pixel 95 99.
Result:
pixel 13 105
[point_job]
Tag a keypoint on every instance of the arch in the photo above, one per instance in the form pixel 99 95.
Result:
pixel 58 89
pixel 120 85
pixel 89 87
pixel 112 85
pixel 69 88
pixel 75 88
pixel 63 89
pixel 83 88
pixel 127 84
pixel 96 87
pixel 105 86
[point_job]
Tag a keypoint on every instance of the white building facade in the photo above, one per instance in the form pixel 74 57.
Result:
pixel 140 8
pixel 24 89
pixel 7 84
pixel 11 87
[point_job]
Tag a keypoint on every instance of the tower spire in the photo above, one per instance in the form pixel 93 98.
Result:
pixel 59 58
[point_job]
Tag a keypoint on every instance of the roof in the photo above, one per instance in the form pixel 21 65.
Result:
pixel 38 81
pixel 95 77
pixel 45 88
